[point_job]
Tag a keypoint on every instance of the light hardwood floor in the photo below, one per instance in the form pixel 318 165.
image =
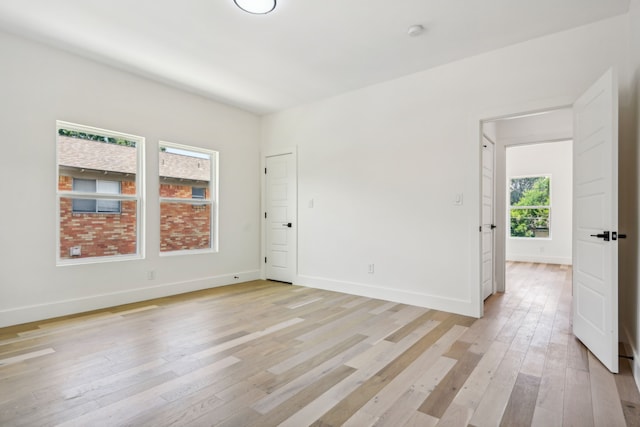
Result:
pixel 263 354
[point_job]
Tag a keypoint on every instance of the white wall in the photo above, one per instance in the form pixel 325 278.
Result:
pixel 629 295
pixel 383 165
pixel 555 160
pixel 40 85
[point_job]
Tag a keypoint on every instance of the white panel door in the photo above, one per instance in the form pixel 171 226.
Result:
pixel 487 217
pixel 280 218
pixel 595 223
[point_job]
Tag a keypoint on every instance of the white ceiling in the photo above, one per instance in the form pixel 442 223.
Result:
pixel 303 51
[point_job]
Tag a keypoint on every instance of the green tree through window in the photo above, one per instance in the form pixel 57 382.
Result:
pixel 530 206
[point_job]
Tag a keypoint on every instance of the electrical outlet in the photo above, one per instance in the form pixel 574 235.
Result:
pixel 151 275
pixel 372 268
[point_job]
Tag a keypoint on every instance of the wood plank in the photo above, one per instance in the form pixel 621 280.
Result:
pixel 534 360
pixel 628 391
pixel 438 401
pixel 420 419
pixel 519 410
pixel 550 402
pixel 578 406
pixel 607 408
pixel 495 399
pixel 474 388
pixel 26 356
pixel 631 413
pixel 409 327
pixel 577 357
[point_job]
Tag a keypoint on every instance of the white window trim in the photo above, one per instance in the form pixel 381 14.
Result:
pixel 212 200
pixel 139 197
pixel 544 175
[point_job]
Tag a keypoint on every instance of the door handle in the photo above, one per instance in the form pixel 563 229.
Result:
pixel 604 235
pixel 493 226
pixel 616 236
pixel 288 224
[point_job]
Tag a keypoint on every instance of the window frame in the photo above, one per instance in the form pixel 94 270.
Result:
pixel 97 204
pixel 138 197
pixel 512 207
pixel 213 200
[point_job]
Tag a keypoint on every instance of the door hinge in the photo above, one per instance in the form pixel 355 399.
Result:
pixel 265 215
pixel 265 171
pixel 480 229
pixel 265 260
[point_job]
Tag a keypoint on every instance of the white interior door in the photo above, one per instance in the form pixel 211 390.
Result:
pixel 280 217
pixel 487 217
pixel 595 189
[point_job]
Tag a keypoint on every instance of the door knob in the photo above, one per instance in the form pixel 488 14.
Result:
pixel 288 224
pixel 604 235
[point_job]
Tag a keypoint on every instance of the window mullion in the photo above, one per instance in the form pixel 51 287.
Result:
pixel 82 195
pixel 185 200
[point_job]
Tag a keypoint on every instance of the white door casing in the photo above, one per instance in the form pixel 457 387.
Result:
pixel 595 211
pixel 280 217
pixel 488 226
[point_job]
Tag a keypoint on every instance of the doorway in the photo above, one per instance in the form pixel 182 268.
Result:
pixel 538 131
pixel 595 216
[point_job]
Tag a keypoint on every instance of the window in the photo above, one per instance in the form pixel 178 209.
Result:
pixel 188 209
pixel 93 205
pixel 197 193
pixel 99 194
pixel 530 206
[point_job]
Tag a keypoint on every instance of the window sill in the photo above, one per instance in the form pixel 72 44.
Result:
pixel 188 252
pixel 97 260
pixel 529 238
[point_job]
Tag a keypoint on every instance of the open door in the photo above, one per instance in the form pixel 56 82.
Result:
pixel 488 223
pixel 595 222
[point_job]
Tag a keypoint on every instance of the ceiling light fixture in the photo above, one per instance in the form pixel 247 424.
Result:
pixel 258 7
pixel 415 30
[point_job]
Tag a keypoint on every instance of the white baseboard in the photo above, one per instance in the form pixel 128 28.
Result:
pixel 540 259
pixel 32 313
pixel 450 305
pixel 635 363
